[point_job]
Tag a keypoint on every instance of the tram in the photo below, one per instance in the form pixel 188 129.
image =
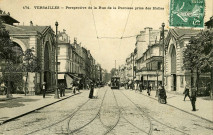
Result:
pixel 115 82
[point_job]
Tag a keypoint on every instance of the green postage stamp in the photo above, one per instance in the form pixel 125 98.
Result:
pixel 187 13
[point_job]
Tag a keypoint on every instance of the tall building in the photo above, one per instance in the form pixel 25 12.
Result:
pixel 149 57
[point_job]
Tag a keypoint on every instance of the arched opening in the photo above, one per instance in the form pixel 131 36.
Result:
pixel 13 75
pixel 173 68
pixel 47 71
pixel 17 55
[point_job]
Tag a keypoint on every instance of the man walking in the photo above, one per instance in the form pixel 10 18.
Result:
pixel 186 92
pixel 149 89
pixel 193 99
pixel 140 86
pixel 44 89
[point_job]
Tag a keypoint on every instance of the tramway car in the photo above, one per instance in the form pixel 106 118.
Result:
pixel 115 82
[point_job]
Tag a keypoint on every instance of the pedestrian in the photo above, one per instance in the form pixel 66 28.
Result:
pixel 149 89
pixel 140 87
pixel 162 95
pixel 43 87
pixel 186 92
pixel 74 87
pixel 135 86
pixel 95 93
pixel 60 89
pixel 87 86
pixel 91 90
pixel 63 89
pixel 3 88
pixel 78 86
pixel 193 99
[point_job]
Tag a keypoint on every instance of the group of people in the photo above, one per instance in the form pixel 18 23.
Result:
pixel 93 91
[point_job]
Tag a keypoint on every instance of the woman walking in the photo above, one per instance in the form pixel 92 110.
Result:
pixel 95 94
pixel 91 90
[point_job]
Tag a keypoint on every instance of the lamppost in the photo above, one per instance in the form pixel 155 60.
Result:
pixel 56 91
pixel 157 73
pixel 163 25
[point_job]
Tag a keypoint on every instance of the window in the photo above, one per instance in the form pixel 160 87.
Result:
pixel 159 65
pixel 58 64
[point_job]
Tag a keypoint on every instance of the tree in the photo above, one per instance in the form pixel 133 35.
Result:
pixel 198 55
pixel 206 41
pixel 30 64
pixel 191 57
pixel 5 53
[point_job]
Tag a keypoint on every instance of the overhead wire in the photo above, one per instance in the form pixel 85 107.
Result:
pixel 126 21
pixel 125 25
pixel 122 36
pixel 95 24
pixel 117 37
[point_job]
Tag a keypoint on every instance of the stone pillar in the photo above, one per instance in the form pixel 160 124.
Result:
pixel 31 83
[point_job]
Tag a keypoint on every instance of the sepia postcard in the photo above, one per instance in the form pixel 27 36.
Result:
pixel 97 67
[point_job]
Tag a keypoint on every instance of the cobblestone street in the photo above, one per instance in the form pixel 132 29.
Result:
pixel 113 112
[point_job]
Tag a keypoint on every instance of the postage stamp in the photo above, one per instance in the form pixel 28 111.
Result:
pixel 187 13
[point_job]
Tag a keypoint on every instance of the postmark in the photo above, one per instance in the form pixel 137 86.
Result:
pixel 187 13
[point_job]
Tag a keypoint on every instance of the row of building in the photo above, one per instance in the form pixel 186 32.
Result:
pixel 145 63
pixel 75 63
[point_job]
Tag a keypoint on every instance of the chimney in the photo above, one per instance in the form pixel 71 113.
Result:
pixel 31 23
pixel 75 40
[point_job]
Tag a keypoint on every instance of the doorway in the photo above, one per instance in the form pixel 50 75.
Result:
pixel 174 82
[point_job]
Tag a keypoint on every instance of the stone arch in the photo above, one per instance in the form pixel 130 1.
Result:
pixel 20 43
pixel 47 66
pixel 172 66
pixel 172 56
pixel 18 53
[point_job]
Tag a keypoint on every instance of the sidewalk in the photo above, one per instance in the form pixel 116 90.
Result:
pixel 21 105
pixel 204 105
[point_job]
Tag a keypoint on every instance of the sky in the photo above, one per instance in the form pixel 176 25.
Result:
pixel 86 24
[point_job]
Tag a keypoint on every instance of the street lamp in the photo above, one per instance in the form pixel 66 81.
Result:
pixel 157 73
pixel 163 25
pixel 56 91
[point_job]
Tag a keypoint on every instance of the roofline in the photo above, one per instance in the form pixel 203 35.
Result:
pixel 10 17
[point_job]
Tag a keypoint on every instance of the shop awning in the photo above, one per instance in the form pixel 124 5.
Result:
pixel 69 81
pixel 61 76
pixel 74 76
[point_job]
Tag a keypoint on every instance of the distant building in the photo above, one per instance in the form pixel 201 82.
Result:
pixel 149 69
pixel 149 57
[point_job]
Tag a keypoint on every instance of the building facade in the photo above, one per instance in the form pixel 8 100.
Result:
pixel 176 77
pixel 41 39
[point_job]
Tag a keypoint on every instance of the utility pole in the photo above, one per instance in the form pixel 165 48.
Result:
pixel 163 49
pixel 56 91
pixel 133 63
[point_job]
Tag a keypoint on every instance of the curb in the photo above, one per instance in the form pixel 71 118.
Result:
pixel 5 99
pixel 181 109
pixel 21 115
